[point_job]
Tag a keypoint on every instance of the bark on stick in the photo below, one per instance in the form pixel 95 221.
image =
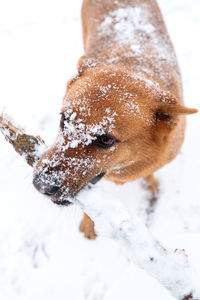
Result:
pixel 28 146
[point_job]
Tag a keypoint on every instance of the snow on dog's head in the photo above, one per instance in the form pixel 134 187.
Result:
pixel 103 120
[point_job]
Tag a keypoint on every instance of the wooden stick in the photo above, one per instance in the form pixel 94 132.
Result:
pixel 28 146
pixel 171 268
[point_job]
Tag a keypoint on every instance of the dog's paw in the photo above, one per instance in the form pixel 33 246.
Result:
pixel 87 227
pixel 152 186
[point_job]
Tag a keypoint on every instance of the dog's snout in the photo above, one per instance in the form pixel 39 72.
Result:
pixel 44 187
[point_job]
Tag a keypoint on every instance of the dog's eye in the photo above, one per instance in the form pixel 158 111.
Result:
pixel 104 141
pixel 62 121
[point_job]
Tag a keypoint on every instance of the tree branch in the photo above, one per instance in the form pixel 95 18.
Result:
pixel 28 146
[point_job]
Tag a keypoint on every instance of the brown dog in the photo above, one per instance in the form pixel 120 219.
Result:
pixel 123 114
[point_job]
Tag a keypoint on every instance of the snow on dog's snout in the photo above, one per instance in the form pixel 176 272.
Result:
pixel 73 160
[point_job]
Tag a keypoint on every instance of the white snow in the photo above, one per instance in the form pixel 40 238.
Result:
pixel 170 267
pixel 125 22
pixel 77 132
pixel 42 253
pixel 129 27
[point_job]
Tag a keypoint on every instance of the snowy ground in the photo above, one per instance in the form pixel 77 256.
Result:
pixel 42 254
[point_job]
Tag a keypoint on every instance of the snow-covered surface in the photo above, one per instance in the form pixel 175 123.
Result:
pixel 170 267
pixel 42 254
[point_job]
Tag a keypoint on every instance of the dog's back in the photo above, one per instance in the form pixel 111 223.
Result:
pixel 131 33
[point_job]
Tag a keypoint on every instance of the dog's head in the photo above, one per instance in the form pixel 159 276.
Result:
pixel 109 120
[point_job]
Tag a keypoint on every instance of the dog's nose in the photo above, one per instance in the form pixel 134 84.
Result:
pixel 43 187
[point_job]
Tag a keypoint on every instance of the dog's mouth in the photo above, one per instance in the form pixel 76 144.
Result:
pixel 60 199
pixel 97 178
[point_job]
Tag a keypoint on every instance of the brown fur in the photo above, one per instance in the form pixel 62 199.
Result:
pixel 148 137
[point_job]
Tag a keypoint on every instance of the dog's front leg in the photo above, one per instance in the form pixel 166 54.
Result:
pixel 152 186
pixel 87 227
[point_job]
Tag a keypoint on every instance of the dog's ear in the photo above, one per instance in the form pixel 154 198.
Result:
pixel 167 113
pixel 168 109
pixel 86 63
pixel 175 109
pixel 166 118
